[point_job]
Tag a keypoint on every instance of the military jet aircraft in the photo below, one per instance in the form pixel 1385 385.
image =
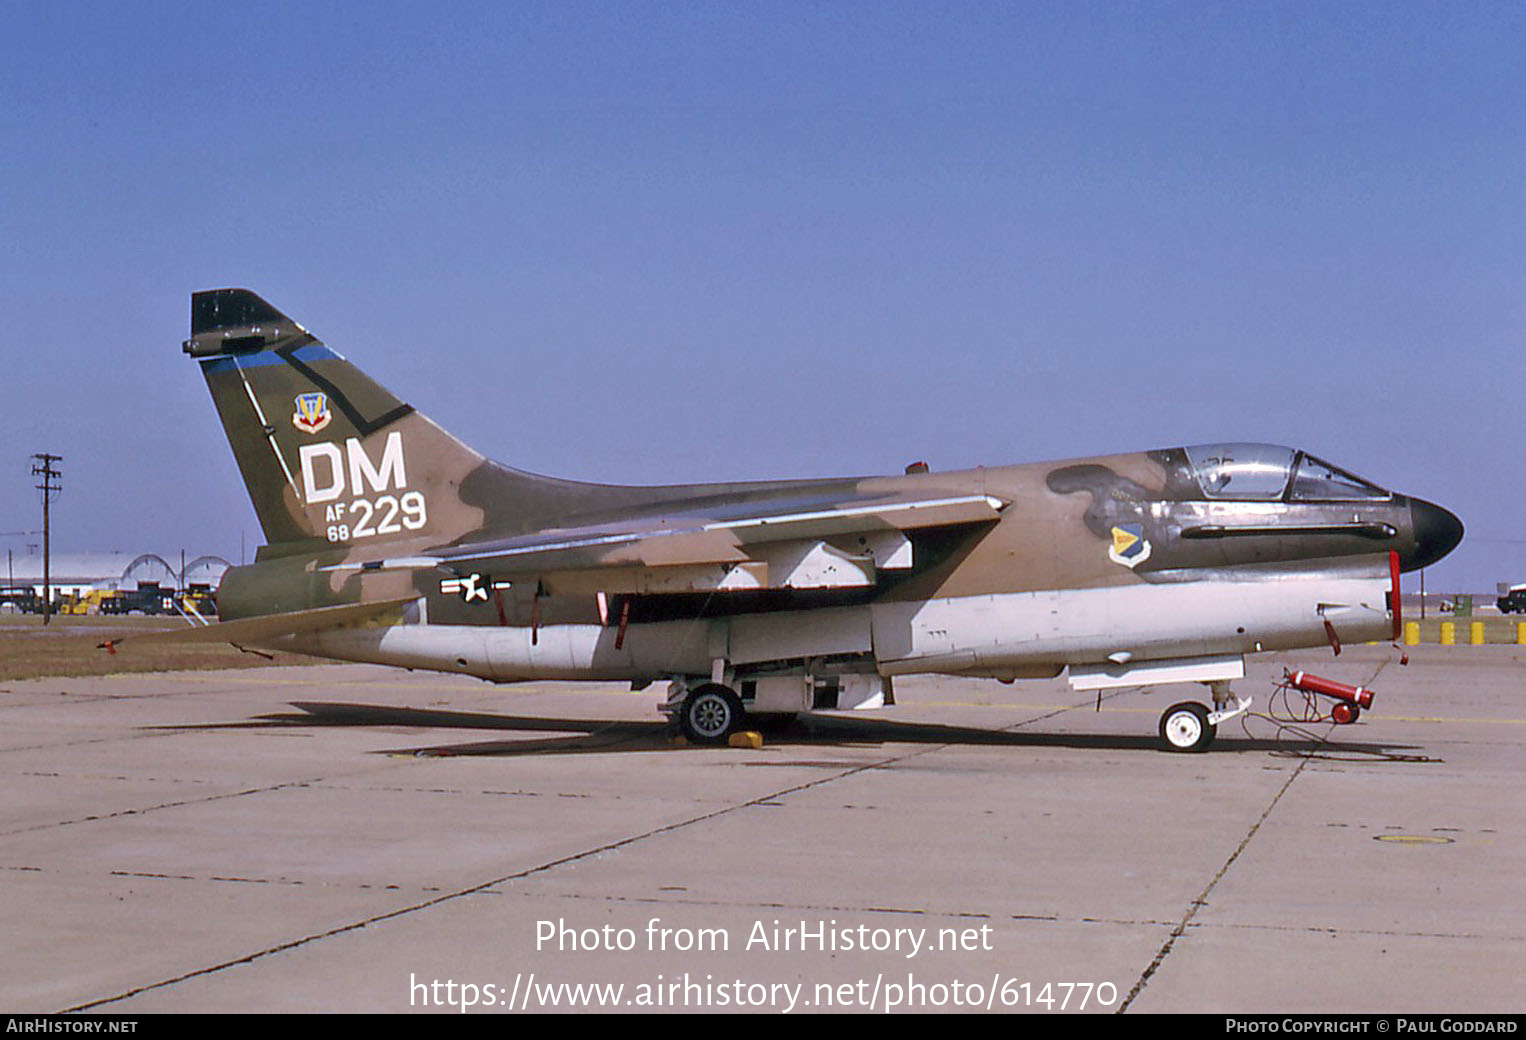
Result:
pixel 389 541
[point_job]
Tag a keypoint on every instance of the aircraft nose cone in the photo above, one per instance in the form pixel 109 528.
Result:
pixel 1437 533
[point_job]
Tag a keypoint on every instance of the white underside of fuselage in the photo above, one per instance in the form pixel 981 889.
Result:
pixel 1000 635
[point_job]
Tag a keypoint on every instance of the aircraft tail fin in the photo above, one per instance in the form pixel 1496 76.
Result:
pixel 332 458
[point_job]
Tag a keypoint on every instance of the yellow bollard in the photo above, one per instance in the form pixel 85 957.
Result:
pixel 1412 633
pixel 1520 632
pixel 1449 633
pixel 1476 633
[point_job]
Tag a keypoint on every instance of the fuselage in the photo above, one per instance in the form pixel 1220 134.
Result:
pixel 1164 555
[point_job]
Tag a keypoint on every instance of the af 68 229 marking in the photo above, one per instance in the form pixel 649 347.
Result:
pixel 385 514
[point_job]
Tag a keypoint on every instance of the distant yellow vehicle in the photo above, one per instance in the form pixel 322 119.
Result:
pixel 89 603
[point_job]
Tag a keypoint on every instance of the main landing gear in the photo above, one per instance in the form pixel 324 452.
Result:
pixel 710 713
pixel 1189 726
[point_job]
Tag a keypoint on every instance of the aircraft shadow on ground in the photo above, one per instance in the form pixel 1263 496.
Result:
pixel 582 736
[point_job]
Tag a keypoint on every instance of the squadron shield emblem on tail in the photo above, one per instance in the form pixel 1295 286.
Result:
pixel 312 412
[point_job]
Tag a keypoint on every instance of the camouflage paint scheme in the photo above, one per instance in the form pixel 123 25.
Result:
pixel 389 540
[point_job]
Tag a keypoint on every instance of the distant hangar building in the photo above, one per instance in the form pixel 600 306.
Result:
pixel 79 574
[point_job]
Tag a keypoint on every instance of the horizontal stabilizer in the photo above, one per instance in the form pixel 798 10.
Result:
pixel 258 630
pixel 231 320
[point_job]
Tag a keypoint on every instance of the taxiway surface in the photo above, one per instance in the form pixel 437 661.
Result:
pixel 349 838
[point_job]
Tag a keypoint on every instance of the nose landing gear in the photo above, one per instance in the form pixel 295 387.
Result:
pixel 1185 727
pixel 1189 726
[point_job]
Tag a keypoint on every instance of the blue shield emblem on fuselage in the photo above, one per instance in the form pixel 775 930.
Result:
pixel 1130 546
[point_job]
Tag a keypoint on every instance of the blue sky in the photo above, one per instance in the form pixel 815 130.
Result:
pixel 669 242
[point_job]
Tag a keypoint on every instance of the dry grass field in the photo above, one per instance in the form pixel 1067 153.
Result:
pixel 68 646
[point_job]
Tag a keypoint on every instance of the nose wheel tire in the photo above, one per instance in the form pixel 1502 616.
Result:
pixel 710 714
pixel 1185 727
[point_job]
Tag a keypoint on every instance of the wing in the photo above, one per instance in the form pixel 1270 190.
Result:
pixel 797 543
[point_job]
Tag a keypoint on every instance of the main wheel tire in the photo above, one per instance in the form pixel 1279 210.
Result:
pixel 1185 727
pixel 710 714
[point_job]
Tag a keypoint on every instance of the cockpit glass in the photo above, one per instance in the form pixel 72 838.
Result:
pixel 1241 471
pixel 1319 481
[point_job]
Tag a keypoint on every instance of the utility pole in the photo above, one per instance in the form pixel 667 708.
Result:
pixel 42 466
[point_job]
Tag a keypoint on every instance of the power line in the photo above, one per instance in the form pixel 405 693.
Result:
pixel 43 467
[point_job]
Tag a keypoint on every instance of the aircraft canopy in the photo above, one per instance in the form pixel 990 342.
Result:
pixel 1271 472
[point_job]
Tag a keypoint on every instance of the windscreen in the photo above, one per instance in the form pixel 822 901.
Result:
pixel 1318 481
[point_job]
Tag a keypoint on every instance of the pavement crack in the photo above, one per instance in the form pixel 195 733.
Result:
pixel 1201 899
pixel 98 817
pixel 483 886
